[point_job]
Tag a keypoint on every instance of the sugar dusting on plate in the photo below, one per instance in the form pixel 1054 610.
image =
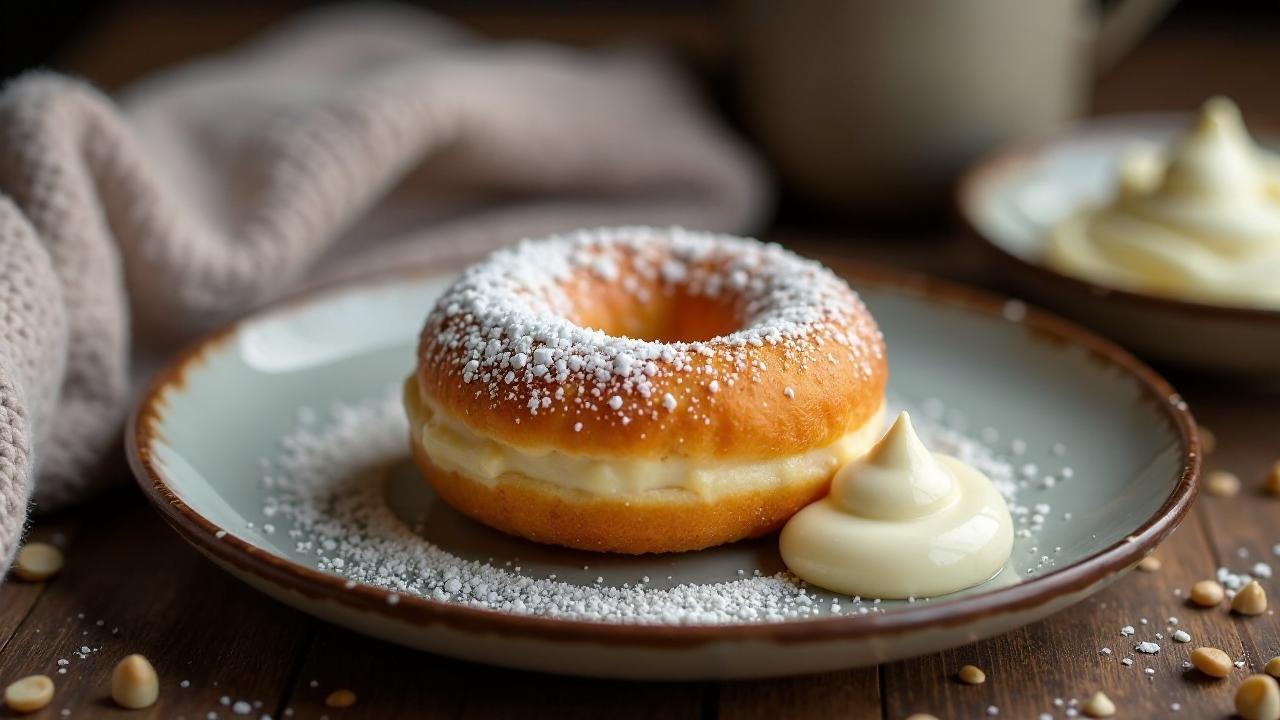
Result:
pixel 326 489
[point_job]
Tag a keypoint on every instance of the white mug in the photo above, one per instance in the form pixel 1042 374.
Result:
pixel 874 107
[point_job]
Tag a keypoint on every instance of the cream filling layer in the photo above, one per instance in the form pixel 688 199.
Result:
pixel 456 448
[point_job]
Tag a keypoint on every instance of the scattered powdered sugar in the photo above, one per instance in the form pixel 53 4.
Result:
pixel 1233 581
pixel 327 491
pixel 508 329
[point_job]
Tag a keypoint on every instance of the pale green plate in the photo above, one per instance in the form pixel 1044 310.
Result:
pixel 991 368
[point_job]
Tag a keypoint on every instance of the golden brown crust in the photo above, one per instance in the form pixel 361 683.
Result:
pixel 750 353
pixel 664 521
pixel 784 398
pixel 750 419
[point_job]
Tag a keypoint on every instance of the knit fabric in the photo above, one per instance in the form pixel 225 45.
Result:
pixel 353 140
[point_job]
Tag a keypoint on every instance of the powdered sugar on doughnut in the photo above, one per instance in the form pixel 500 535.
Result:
pixel 504 327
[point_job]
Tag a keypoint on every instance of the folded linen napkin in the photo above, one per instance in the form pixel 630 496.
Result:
pixel 354 139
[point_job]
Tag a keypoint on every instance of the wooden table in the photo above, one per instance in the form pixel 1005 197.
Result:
pixel 131 585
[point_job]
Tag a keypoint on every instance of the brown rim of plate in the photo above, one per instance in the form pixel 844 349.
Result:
pixel 231 550
pixel 981 174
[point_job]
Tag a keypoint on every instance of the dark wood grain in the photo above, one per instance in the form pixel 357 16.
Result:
pixel 849 694
pixel 17 598
pixel 128 587
pixel 394 682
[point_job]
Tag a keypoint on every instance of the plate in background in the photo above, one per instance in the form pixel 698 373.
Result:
pixel 198 439
pixel 1010 199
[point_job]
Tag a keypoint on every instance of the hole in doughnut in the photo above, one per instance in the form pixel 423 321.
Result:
pixel 651 309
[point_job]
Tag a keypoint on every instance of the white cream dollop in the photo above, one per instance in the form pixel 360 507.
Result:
pixel 1201 222
pixel 901 522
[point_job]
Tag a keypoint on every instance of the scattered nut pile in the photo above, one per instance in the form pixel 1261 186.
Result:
pixel 1207 593
pixel 1272 485
pixel 1258 698
pixel 29 694
pixel 1222 483
pixel 970 675
pixel 134 684
pixel 1211 661
pixel 1099 706
pixel 37 561
pixel 340 698
pixel 1251 600
pixel 1248 600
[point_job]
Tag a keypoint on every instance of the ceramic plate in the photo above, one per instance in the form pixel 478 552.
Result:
pixel 1011 198
pixel 1104 451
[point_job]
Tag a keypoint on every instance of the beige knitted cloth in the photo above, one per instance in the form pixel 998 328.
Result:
pixel 351 140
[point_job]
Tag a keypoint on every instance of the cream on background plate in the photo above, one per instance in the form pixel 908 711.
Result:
pixel 1012 197
pixel 277 448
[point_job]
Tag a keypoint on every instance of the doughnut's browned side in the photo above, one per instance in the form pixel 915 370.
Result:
pixel 769 401
pixel 752 418
pixel 671 521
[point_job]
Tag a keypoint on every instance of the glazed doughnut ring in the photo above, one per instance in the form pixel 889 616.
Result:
pixel 642 390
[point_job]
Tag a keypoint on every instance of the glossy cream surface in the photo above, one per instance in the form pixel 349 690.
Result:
pixel 454 447
pixel 901 522
pixel 1200 221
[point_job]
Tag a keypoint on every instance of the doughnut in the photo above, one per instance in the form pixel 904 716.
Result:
pixel 640 390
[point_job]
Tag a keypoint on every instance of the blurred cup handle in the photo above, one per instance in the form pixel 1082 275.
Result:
pixel 1124 23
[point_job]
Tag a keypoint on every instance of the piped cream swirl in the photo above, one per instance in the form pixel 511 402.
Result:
pixel 901 522
pixel 1200 223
